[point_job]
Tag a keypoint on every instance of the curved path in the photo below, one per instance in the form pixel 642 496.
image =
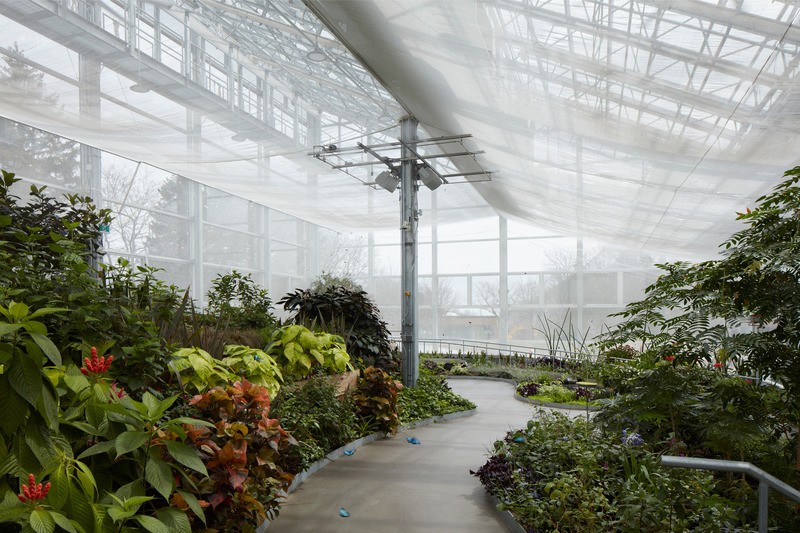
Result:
pixel 393 486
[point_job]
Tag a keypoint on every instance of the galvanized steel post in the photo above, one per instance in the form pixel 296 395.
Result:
pixel 408 232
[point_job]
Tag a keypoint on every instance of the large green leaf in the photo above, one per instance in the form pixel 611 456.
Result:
pixel 47 311
pixel 47 347
pixel 59 491
pixel 154 525
pixel 18 310
pixel 37 438
pixel 159 474
pixel 175 519
pixel 194 505
pixel 6 328
pixel 186 455
pixel 130 440
pixel 156 408
pixel 25 377
pixel 63 522
pixel 41 521
pixel 48 404
pixel 100 447
pixel 15 410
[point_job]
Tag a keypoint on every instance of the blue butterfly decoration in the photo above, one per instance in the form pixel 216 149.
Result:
pixel 413 440
pixel 343 512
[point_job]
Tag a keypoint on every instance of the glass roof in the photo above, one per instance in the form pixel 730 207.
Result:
pixel 642 124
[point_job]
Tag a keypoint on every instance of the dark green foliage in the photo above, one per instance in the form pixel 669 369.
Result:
pixel 346 312
pixel 695 312
pixel 563 475
pixel 240 302
pixel 319 421
pixel 430 397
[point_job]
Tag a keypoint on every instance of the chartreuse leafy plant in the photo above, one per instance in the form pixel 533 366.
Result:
pixel 199 371
pixel 300 352
pixel 255 365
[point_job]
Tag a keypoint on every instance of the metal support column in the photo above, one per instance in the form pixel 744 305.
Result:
pixel 408 232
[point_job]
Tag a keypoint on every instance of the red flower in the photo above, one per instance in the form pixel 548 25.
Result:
pixel 96 365
pixel 669 358
pixel 33 491
pixel 717 365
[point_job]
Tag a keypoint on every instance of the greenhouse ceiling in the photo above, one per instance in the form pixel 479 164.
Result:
pixel 646 124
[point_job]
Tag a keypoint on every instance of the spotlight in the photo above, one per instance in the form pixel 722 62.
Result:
pixel 238 137
pixel 329 147
pixel 387 180
pixel 429 178
pixel 139 88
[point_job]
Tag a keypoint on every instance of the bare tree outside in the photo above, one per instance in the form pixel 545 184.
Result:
pixel 343 255
pixel 130 195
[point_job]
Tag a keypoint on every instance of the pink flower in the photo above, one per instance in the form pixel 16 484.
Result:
pixel 118 392
pixel 669 358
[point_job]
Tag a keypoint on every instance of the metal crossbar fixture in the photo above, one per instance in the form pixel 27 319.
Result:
pixel 765 480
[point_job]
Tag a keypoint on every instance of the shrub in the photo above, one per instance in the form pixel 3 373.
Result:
pixel 301 353
pixel 560 474
pixel 431 397
pixel 317 419
pixel 245 457
pixel 240 302
pixel 528 389
pixel 376 400
pixel 348 312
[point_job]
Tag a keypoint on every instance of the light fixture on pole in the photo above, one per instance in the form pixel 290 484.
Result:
pixel 429 178
pixel 387 180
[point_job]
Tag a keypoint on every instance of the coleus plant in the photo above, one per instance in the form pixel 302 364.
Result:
pixel 244 456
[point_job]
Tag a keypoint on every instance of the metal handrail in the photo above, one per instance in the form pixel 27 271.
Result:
pixel 494 350
pixel 765 480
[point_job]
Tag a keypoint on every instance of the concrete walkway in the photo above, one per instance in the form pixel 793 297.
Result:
pixel 392 486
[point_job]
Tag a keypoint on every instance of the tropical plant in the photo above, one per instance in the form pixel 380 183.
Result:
pixel 347 312
pixel 376 400
pixel 561 474
pixel 300 352
pixel 694 312
pixel 244 455
pixel 241 302
pixel 316 418
pixel 198 371
pixel 254 365
pixel 430 397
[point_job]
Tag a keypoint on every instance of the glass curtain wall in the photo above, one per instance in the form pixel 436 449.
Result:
pixel 489 279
